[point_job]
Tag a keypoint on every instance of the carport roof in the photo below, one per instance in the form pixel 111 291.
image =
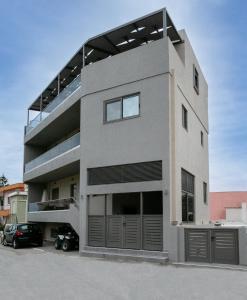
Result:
pixel 120 39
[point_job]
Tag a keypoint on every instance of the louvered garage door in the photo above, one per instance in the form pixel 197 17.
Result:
pixel 114 237
pixel 132 232
pixel 96 231
pixel 197 245
pixel 212 245
pixel 153 233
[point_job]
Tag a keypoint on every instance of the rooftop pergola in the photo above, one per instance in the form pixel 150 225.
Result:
pixel 120 39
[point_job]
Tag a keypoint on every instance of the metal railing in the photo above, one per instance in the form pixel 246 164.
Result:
pixel 66 92
pixel 58 204
pixel 54 152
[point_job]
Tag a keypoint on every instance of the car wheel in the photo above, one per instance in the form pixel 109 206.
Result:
pixel 40 243
pixel 15 244
pixel 57 244
pixel 5 242
pixel 66 245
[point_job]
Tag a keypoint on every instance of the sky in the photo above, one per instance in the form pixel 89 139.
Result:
pixel 39 37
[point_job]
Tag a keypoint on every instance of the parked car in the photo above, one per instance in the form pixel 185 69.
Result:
pixel 22 234
pixel 67 239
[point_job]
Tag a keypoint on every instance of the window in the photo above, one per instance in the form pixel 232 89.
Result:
pixel 55 194
pixel 184 117
pixel 202 141
pixel 205 193
pixel 73 190
pixel 188 210
pixel 122 108
pixel 196 79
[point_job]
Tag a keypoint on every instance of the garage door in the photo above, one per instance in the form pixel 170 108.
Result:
pixel 212 245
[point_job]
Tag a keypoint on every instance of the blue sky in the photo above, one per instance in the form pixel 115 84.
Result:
pixel 38 38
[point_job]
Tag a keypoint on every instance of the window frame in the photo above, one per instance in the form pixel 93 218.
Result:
pixel 196 75
pixel 185 117
pixel 52 190
pixel 121 99
pixel 202 138
pixel 188 194
pixel 205 192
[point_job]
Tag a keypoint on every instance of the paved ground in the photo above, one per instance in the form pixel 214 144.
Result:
pixel 43 273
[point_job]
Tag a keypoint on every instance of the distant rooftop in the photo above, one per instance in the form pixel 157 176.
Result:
pixel 120 39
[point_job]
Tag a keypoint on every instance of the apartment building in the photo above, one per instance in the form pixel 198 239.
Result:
pixel 118 147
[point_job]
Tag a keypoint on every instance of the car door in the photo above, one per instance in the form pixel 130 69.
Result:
pixel 11 233
pixel 7 233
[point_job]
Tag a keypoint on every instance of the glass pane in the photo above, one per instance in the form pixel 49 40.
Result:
pixel 152 203
pixel 113 111
pixel 190 208
pixel 184 207
pixel 131 106
pixel 126 204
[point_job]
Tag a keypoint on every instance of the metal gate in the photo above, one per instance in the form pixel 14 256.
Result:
pixel 126 231
pixel 212 245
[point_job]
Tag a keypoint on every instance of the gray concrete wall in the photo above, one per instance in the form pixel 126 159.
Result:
pixel 187 152
pixel 35 191
pixel 145 138
pixel 242 244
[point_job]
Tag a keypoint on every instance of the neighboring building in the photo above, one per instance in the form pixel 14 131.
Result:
pixel 119 147
pixel 13 193
pixel 228 206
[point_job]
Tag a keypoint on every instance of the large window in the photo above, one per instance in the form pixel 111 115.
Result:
pixel 188 199
pixel 122 108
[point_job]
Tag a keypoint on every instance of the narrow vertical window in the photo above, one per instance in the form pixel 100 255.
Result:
pixel 205 193
pixel 184 117
pixel 196 79
pixel 55 194
pixel 188 198
pixel 202 139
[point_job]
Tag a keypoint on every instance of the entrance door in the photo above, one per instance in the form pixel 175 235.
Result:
pixel 127 220
pixel 124 232
pixel 123 226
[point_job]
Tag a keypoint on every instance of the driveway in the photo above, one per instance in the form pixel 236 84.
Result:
pixel 43 273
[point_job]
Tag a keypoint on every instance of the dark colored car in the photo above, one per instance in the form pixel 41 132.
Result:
pixel 22 234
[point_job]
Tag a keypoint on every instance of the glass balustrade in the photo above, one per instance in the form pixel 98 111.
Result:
pixel 54 152
pixel 66 92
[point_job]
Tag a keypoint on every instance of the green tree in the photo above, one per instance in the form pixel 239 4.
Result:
pixel 3 181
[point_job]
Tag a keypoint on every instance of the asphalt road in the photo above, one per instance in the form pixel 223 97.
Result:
pixel 44 273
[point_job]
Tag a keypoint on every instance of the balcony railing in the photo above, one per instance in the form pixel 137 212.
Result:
pixel 66 92
pixel 54 152
pixel 59 204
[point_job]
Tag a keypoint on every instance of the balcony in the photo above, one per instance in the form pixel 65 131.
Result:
pixel 56 211
pixel 59 204
pixel 61 148
pixel 66 92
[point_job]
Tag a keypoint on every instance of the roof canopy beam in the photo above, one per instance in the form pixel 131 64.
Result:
pixel 111 43
pixel 100 49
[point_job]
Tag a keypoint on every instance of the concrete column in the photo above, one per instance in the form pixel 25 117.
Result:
pixel 243 213
pixel 83 214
